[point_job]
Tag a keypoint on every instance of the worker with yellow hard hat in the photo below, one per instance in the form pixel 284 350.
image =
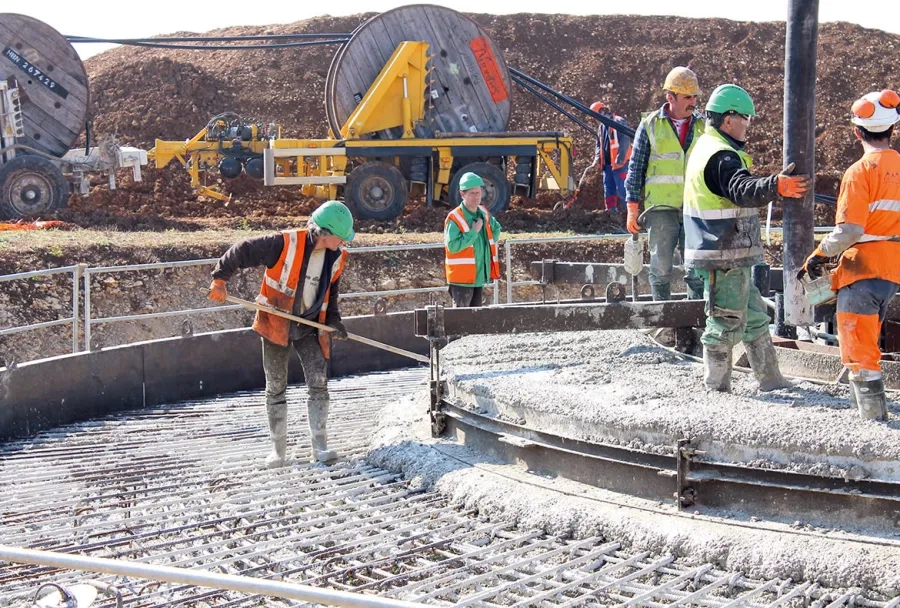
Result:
pixel 656 179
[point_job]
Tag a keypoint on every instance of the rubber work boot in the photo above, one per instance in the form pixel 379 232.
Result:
pixel 685 339
pixel 764 362
pixel 277 413
pixel 870 398
pixel 661 292
pixel 317 408
pixel 717 367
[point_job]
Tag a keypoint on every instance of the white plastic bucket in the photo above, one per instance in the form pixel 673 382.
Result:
pixel 819 291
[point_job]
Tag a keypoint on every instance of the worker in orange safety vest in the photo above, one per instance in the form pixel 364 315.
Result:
pixel 471 258
pixel 866 236
pixel 611 155
pixel 302 277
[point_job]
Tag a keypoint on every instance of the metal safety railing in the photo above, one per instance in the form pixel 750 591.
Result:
pixel 77 271
pixel 82 272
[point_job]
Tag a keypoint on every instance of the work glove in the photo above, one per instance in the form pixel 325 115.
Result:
pixel 217 291
pixel 814 266
pixel 340 332
pixel 631 222
pixel 792 186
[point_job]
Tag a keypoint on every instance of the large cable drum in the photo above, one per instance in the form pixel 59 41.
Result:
pixel 52 82
pixel 470 88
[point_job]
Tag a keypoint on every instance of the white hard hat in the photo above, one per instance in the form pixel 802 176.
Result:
pixel 876 111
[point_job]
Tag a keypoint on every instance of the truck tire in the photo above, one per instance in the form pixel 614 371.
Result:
pixel 31 186
pixel 376 190
pixel 496 187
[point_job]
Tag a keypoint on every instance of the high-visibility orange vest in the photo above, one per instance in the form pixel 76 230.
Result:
pixel 460 267
pixel 870 197
pixel 279 289
pixel 614 150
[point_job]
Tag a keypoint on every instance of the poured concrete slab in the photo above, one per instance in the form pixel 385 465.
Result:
pixel 621 388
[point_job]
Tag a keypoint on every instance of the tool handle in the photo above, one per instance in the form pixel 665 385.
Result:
pixel 357 338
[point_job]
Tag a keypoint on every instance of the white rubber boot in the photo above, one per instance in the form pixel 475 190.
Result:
pixel 871 401
pixel 317 409
pixel 764 363
pixel 277 414
pixel 717 367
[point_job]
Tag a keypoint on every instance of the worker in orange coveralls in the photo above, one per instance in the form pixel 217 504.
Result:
pixel 867 237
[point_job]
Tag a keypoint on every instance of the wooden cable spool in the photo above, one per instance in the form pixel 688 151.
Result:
pixel 52 82
pixel 470 88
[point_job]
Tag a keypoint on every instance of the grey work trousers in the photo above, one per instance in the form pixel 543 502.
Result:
pixel 666 232
pixel 275 365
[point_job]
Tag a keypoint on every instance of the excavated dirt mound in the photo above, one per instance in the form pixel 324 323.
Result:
pixel 140 94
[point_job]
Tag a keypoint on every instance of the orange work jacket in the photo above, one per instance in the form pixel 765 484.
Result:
pixel 460 267
pixel 279 289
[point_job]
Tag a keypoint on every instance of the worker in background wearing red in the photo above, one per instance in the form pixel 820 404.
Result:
pixel 611 155
pixel 867 237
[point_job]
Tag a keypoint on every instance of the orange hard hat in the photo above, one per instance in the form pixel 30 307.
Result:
pixel 597 106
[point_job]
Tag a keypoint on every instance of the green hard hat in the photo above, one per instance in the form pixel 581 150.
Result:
pixel 730 98
pixel 469 180
pixel 335 217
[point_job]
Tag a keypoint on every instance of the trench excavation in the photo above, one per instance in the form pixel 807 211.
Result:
pixel 183 485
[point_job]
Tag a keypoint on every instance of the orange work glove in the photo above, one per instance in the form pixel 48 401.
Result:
pixel 792 186
pixel 631 222
pixel 217 291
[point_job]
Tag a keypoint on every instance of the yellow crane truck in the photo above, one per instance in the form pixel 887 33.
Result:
pixel 404 119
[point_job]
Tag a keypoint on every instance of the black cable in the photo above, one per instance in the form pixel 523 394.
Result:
pixel 81 39
pixel 555 106
pixel 237 47
pixel 609 122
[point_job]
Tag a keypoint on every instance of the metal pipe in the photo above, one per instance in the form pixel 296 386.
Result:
pixel 782 329
pixel 15 330
pixel 200 578
pixel 76 278
pixel 509 286
pixel 799 148
pixel 171 313
pixel 37 273
pixel 87 310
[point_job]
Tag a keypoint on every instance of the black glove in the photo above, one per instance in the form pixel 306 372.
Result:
pixel 340 332
pixel 814 266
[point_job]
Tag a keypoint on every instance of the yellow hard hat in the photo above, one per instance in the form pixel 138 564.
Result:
pixel 683 81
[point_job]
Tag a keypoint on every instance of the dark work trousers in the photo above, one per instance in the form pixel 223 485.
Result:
pixel 464 297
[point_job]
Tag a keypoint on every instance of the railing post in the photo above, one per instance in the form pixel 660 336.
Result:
pixel 508 248
pixel 87 310
pixel 76 280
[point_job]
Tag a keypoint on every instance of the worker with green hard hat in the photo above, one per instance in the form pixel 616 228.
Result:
pixel 723 240
pixel 302 277
pixel 471 257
